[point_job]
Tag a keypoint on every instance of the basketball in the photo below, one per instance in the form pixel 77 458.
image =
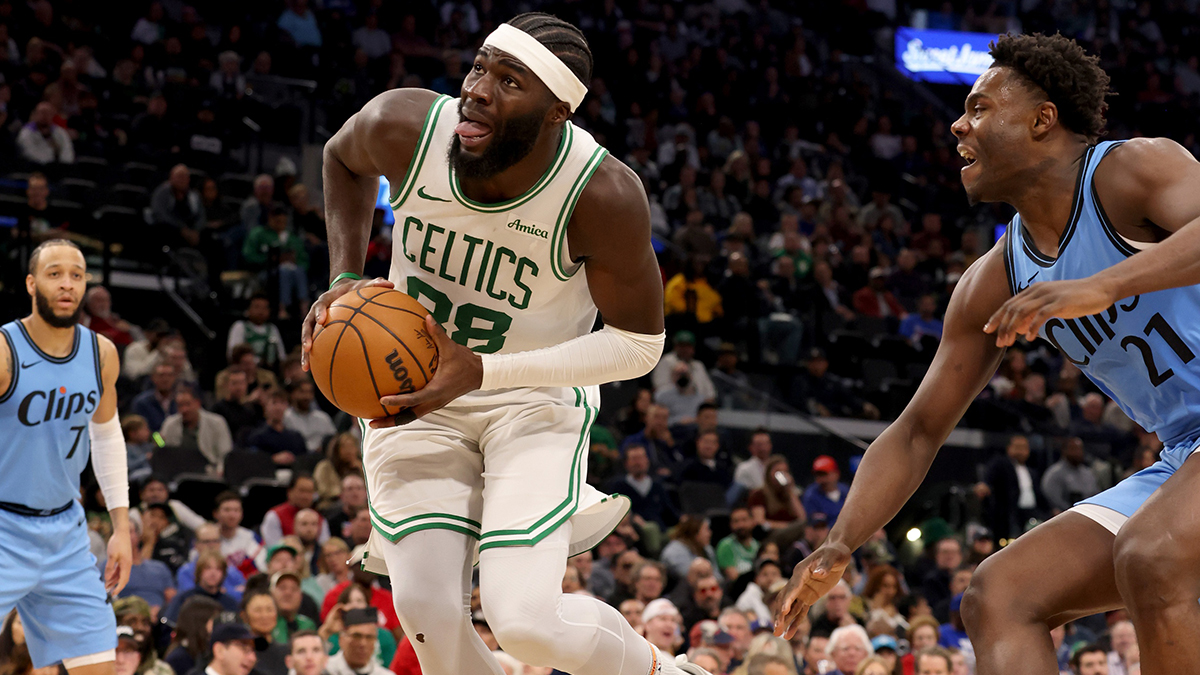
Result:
pixel 374 344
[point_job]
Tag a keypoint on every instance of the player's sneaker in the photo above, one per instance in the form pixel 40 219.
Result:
pixel 681 662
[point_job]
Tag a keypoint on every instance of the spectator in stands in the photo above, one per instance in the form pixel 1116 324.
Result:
pixel 684 351
pixel 300 23
pixel 883 591
pixel 38 219
pixel 923 323
pixel 936 584
pixel 332 569
pixel 704 604
pixel 149 579
pixel 706 466
pixel 815 532
pixel 923 632
pixel 1010 490
pixel 776 505
pixel 280 521
pixel 257 331
pixel 753 599
pixel 138 447
pixel 241 416
pixel 875 300
pixel 234 653
pixel 98 316
pixel 623 563
pixel 261 616
pixel 161 538
pixel 228 82
pixel 1090 660
pixel 208 538
pixel 821 393
pixel 257 206
pixel 285 590
pixel 276 250
pixel 737 551
pixel 827 494
pixel 174 354
pixel 152 134
pixel 691 539
pixel 750 472
pixel 342 458
pixel 283 444
pixel 43 142
pixel 189 641
pixel 934 661
pixel 731 384
pixel 681 396
pixel 136 614
pixel 814 652
pixel 1069 480
pixel 826 295
pixel 649 579
pixel 953 633
pixel 359 528
pixel 351 500
pixel 354 596
pixel 239 545
pixel 281 557
pixel 308 527
pixel 154 491
pixel 735 622
pixel 1123 640
pixel 141 356
pixel 157 402
pixel 307 654
pixel 907 281
pixel 848 646
pixel 837 613
pixel 662 623
pixel 306 419
pixel 1091 426
pixel 128 654
pixel 175 204
pixel 196 429
pixel 650 501
pixel 666 458
pixel 359 639
pixel 210 581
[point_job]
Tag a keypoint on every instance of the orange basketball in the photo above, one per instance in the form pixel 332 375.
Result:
pixel 374 344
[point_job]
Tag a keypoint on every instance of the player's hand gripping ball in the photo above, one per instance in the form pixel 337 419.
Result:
pixel 374 343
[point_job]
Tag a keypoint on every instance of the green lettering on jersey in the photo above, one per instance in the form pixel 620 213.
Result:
pixel 404 241
pixel 426 249
pixel 472 242
pixel 487 254
pixel 501 253
pixel 521 266
pixel 442 306
pixel 446 258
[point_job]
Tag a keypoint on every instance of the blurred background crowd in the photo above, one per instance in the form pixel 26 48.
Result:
pixel 810 226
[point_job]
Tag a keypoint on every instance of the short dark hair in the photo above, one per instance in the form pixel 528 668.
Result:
pixel 706 406
pixel 1086 649
pixel 226 496
pixel 563 40
pixel 303 634
pixel 166 511
pixel 37 252
pixel 239 352
pixel 260 295
pixel 937 653
pixel 1071 80
pixel 297 477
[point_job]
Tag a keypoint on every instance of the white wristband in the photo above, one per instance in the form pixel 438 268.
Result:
pixel 109 462
pixel 607 355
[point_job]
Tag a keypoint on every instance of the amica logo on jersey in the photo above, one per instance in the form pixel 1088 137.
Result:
pixel 528 229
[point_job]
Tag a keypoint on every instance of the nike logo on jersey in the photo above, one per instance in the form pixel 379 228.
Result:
pixel 30 365
pixel 423 195
pixel 1028 281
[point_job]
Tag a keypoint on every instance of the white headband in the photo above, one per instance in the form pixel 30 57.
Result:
pixel 552 71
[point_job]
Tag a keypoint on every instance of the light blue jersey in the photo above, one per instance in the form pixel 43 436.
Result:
pixel 47 570
pixel 1142 350
pixel 44 419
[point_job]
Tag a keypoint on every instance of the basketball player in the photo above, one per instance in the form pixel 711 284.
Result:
pixel 1102 261
pixel 58 403
pixel 513 227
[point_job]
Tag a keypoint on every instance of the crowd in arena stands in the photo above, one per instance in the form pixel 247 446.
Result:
pixel 810 226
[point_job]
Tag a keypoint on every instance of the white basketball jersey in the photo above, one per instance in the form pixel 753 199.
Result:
pixel 498 277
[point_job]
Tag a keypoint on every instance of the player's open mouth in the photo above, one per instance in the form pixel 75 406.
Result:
pixel 967 155
pixel 471 133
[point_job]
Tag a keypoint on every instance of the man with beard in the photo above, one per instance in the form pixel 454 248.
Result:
pixel 1101 261
pixel 513 228
pixel 58 406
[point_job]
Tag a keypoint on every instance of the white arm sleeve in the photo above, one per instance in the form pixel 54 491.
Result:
pixel 109 462
pixel 607 355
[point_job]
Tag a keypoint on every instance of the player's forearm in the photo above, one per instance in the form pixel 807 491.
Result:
pixel 891 471
pixel 349 208
pixel 1173 263
pixel 597 358
pixel 120 518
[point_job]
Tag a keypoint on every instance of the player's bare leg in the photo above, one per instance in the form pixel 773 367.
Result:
pixel 1061 571
pixel 1156 572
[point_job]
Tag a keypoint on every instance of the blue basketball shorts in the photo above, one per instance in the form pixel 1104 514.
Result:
pixel 48 572
pixel 1119 503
